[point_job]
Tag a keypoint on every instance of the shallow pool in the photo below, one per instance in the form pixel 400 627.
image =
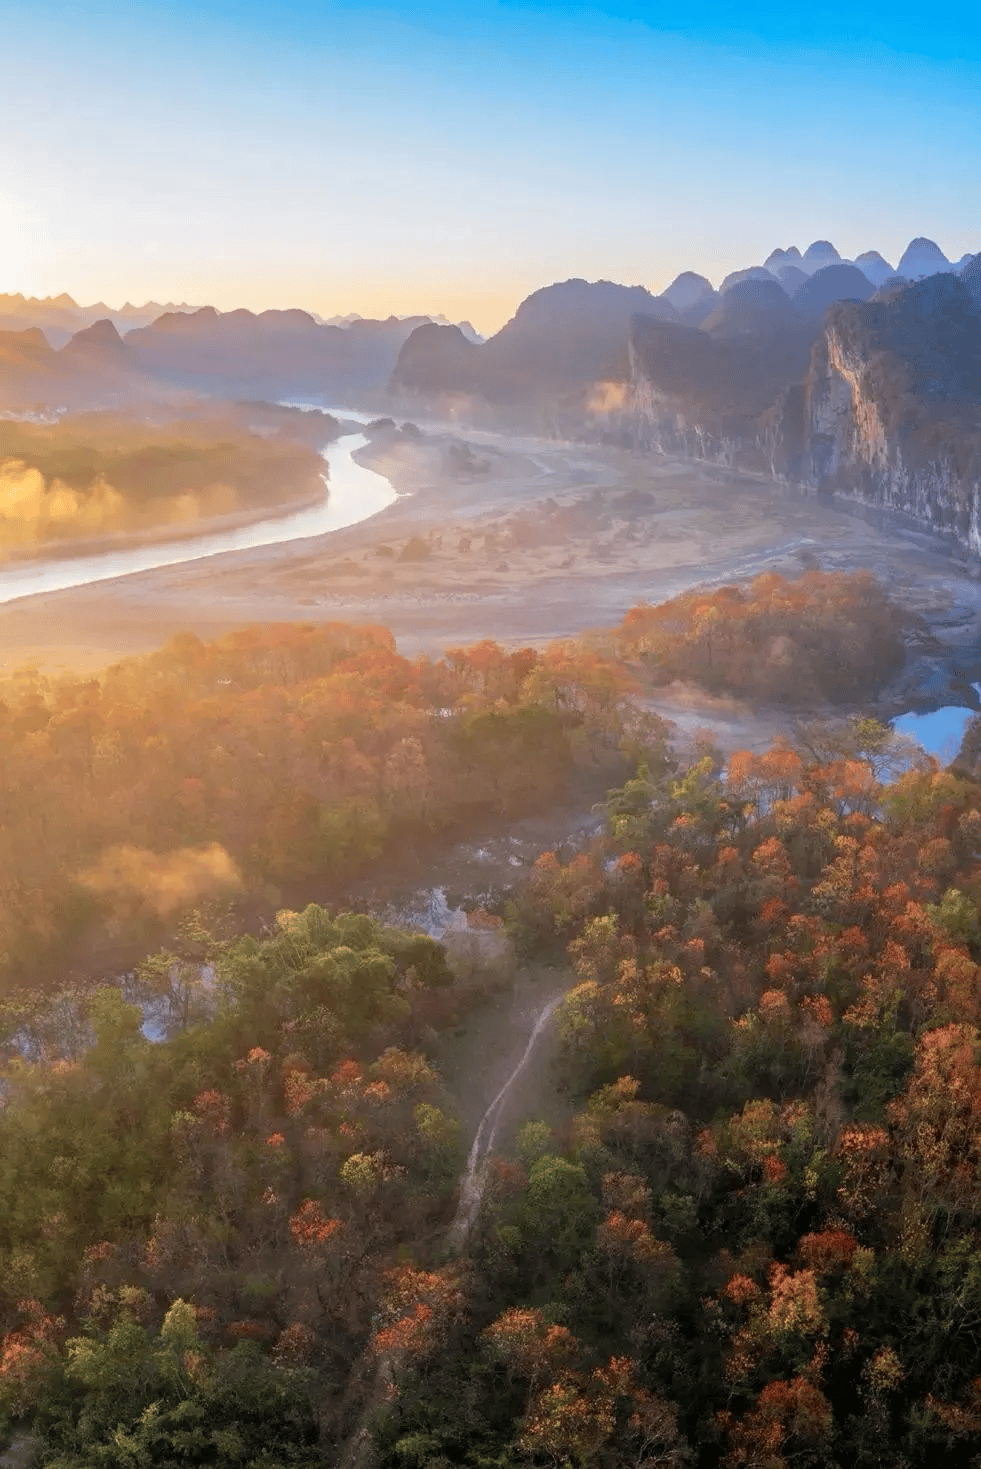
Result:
pixel 940 732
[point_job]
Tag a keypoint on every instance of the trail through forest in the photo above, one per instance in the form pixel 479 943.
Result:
pixel 360 1449
pixel 475 1175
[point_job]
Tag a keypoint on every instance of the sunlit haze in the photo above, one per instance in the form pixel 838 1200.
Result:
pixel 451 158
pixel 490 815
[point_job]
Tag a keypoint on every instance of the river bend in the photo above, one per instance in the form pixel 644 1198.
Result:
pixel 353 493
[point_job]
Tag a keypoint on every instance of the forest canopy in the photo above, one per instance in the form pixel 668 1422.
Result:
pixel 301 752
pixel 266 760
pixel 754 1242
pixel 822 636
pixel 749 1238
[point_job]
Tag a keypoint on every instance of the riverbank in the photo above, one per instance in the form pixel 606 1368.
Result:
pixel 353 493
pixel 526 542
pixel 181 534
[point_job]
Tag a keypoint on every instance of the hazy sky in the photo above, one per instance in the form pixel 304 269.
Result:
pixel 453 157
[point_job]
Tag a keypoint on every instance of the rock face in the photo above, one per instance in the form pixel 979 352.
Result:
pixel 701 394
pixel 560 343
pixel 879 400
pixel 890 410
pixel 842 388
pixel 706 392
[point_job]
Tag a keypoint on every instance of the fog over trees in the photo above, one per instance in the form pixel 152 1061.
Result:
pixel 485 982
pixel 737 1225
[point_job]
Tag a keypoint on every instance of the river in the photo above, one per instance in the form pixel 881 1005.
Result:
pixel 353 493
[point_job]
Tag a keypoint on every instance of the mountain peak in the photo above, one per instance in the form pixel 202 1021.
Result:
pixel 31 341
pixel 750 306
pixel 819 254
pixel 686 289
pixel 101 337
pixel 839 282
pixel 874 266
pixel 752 273
pixel 778 259
pixel 922 257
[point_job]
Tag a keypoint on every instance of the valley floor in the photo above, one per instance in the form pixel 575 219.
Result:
pixel 550 540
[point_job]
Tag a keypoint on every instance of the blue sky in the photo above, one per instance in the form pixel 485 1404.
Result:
pixel 453 157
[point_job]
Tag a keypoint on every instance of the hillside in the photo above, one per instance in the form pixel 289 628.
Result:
pixel 560 341
pixel 95 369
pixel 272 354
pixel 567 361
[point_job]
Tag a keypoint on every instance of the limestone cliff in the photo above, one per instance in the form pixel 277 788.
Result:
pixel 697 395
pixel 704 392
pixel 889 413
pixel 880 403
pixel 540 368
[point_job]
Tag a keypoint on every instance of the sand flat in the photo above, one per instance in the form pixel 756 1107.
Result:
pixel 548 541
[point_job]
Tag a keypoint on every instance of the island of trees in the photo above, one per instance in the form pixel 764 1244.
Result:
pixel 104 474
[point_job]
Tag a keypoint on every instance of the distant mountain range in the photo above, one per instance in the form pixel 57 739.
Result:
pixel 845 375
pixel 803 368
pixel 886 409
pixel 566 337
pixel 561 339
pixel 272 354
pixel 60 317
pixel 921 258
pixel 469 331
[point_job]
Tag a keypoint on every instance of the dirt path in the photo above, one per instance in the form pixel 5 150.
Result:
pixel 475 1175
pixel 360 1450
